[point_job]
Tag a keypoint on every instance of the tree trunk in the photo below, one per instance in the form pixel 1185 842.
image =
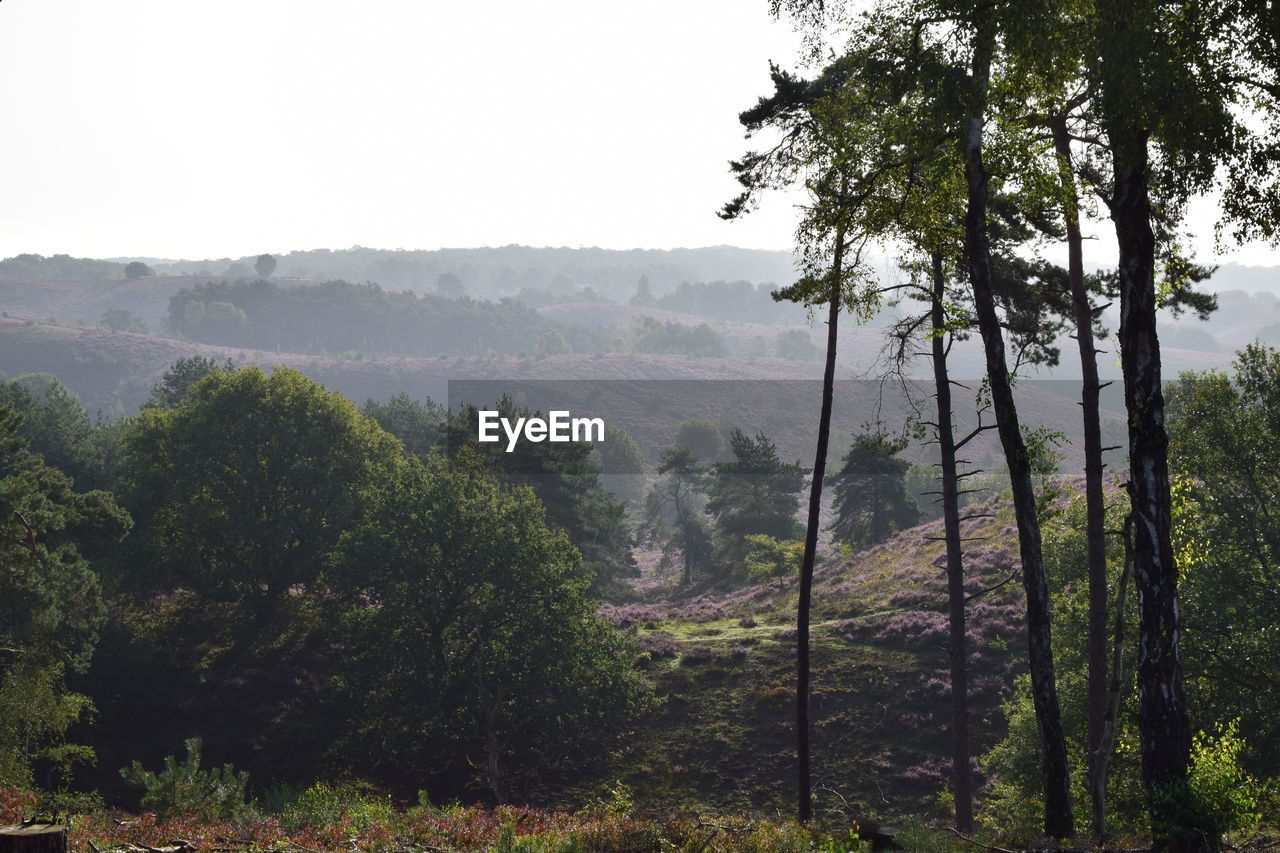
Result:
pixel 493 748
pixel 1057 791
pixel 1095 500
pixel 961 786
pixel 804 808
pixel 1162 709
pixel 40 838
pixel 1111 714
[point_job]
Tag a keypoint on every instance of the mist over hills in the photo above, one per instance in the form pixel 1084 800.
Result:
pixel 512 311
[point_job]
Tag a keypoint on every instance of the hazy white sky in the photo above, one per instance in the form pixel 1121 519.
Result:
pixel 178 128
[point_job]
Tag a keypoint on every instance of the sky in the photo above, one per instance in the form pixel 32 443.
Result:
pixel 176 128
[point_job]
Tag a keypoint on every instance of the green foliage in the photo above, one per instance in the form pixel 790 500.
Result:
pixel 54 423
pixel 735 301
pixel 335 316
pixel 120 320
pixel 420 426
pixel 650 335
pixel 566 479
pixel 621 464
pixel 264 266
pixel 850 843
pixel 1224 434
pixel 174 386
pixel 755 493
pixel 482 646
pixel 703 437
pixel 36 713
pixel 1012 806
pixel 321 806
pixel 871 498
pixel 242 490
pixel 553 342
pixel 769 558
pixel 185 788
pixel 797 345
pixel 137 269
pixel 674 512
pixel 50 604
pixel 43 268
pixel 1218 795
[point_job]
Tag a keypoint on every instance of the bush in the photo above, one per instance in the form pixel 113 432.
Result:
pixel 16 805
pixel 698 654
pixel 1219 796
pixel 322 806
pixel 659 644
pixel 769 558
pixel 183 788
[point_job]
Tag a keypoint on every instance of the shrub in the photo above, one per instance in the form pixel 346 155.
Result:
pixel 15 805
pixel 769 558
pixel 322 806
pixel 659 644
pixel 1219 796
pixel 697 654
pixel 183 788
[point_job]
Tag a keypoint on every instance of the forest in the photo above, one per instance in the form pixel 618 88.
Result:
pixel 253 613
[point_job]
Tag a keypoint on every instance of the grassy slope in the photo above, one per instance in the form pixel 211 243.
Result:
pixel 723 735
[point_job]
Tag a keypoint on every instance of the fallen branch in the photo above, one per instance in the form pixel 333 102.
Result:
pixel 977 843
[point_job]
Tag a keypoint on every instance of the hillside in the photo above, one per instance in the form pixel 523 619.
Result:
pixel 723 664
pixel 113 372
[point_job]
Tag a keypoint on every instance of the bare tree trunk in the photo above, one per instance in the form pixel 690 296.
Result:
pixel 1162 707
pixel 1095 499
pixel 1058 819
pixel 805 791
pixel 961 783
pixel 1101 756
pixel 493 747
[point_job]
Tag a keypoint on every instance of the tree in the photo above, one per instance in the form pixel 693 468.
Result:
pixel 265 265
pixel 643 297
pixel 674 511
pixel 120 320
pixel 53 422
pixel 982 26
pixel 796 345
pixel 243 489
pixel 450 286
pixel 1159 72
pixel 756 492
pixel 482 644
pixel 1224 438
pixel 50 604
pixel 420 426
pixel 174 387
pixel 871 500
pixel 553 342
pixel 703 437
pixel 566 480
pixel 135 270
pixel 621 464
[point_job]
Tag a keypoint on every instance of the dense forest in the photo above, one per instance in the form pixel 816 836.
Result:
pixel 344 593
pixel 246 612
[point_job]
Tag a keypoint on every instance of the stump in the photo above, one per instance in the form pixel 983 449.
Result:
pixel 37 838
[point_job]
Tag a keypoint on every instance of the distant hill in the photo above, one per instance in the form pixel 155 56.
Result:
pixel 504 270
pixel 113 372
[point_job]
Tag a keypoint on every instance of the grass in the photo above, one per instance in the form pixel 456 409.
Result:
pixel 723 737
